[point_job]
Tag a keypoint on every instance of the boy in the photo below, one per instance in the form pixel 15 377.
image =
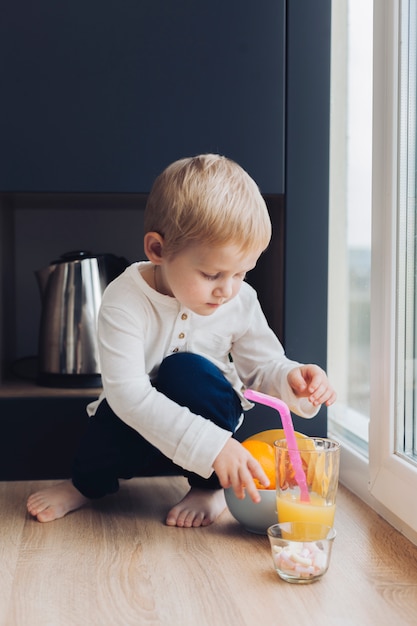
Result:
pixel 180 337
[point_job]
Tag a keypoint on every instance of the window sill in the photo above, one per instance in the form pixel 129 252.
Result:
pixel 354 475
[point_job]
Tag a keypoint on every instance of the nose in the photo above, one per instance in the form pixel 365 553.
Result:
pixel 223 289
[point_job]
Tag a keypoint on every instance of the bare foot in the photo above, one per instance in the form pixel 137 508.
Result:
pixel 55 502
pixel 200 507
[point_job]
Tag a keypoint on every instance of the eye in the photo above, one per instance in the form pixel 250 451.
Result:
pixel 210 276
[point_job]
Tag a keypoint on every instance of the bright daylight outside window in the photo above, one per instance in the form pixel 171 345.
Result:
pixel 350 220
pixel 372 336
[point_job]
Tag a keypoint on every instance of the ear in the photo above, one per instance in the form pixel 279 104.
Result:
pixel 153 244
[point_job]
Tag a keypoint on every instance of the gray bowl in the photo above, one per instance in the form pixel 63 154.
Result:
pixel 256 518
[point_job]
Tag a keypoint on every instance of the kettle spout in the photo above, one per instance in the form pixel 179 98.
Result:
pixel 42 277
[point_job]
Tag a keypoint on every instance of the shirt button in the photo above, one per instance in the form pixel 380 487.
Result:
pixel 175 350
pixel 184 316
pixel 181 336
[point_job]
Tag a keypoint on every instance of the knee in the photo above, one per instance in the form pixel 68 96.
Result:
pixel 182 366
pixel 192 380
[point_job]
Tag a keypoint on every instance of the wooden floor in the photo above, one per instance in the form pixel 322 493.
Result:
pixel 116 563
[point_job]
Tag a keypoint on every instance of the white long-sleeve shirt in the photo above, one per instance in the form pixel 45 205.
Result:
pixel 138 327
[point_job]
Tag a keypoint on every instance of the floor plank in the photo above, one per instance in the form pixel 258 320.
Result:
pixel 115 563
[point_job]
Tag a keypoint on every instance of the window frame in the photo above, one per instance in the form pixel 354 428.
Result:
pixel 387 479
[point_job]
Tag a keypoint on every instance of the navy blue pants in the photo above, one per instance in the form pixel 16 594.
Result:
pixel 111 449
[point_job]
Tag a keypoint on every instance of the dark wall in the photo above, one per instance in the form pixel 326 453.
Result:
pixel 100 96
pixel 307 186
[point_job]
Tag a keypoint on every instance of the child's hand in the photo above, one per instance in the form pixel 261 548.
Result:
pixel 310 381
pixel 235 467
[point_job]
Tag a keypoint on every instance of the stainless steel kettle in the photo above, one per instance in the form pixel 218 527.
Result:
pixel 71 290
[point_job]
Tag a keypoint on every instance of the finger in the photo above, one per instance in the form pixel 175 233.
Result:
pixel 250 489
pixel 316 381
pixel 257 471
pixel 332 399
pixel 243 483
pixel 239 489
pixel 298 382
pixel 253 492
pixel 237 482
pixel 324 395
pixel 318 394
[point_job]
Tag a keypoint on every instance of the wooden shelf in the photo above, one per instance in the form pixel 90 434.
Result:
pixel 17 388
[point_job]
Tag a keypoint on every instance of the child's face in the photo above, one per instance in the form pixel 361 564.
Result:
pixel 203 278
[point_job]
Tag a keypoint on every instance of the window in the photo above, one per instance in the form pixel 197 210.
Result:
pixel 350 220
pixel 377 349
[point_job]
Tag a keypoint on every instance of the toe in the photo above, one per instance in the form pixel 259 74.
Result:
pixel 47 515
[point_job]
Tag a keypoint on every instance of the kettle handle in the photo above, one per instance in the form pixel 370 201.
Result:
pixel 76 255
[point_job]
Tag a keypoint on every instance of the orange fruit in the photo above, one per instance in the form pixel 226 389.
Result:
pixel 265 455
pixel 272 435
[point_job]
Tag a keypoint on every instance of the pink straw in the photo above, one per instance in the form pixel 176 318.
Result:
pixel 288 427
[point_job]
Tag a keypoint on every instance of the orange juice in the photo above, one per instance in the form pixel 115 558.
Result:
pixel 291 509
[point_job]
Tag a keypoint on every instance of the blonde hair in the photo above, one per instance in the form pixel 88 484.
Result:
pixel 207 199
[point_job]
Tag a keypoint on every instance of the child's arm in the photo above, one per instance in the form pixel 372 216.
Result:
pixel 261 362
pixel 235 467
pixel 310 381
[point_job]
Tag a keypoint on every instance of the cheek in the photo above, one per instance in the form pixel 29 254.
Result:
pixel 199 288
pixel 191 288
pixel 236 287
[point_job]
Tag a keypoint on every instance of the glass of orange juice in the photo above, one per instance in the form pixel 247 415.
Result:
pixel 316 502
